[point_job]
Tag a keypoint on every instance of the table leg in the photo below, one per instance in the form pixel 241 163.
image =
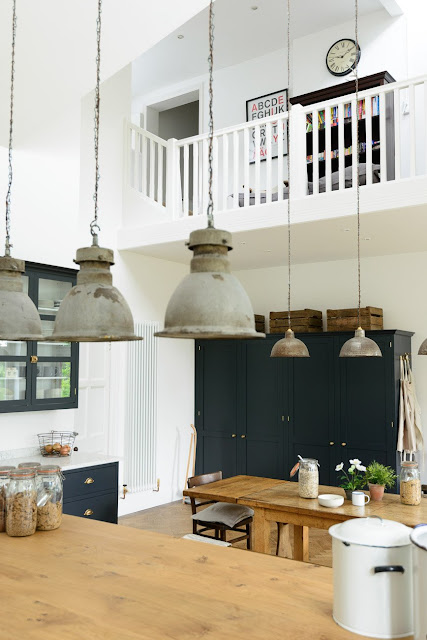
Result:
pixel 301 540
pixel 261 530
pixel 285 546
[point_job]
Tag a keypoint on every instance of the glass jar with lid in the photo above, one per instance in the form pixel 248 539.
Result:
pixel 28 465
pixel 410 483
pixel 21 503
pixel 308 478
pixel 4 481
pixel 49 501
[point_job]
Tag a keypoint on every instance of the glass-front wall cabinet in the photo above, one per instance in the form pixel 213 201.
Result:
pixel 41 375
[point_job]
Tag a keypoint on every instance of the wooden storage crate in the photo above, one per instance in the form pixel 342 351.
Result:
pixel 371 319
pixel 260 323
pixel 302 321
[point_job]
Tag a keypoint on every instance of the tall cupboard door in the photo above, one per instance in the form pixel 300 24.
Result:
pixel 366 404
pixel 311 420
pixel 263 440
pixel 218 406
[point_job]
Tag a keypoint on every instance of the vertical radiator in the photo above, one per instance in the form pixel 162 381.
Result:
pixel 141 410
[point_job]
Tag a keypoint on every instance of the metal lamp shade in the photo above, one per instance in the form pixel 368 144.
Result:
pixel 422 351
pixel 289 347
pixel 210 302
pixel 360 346
pixel 93 310
pixel 19 318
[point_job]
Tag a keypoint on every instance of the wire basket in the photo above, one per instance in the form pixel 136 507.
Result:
pixel 56 443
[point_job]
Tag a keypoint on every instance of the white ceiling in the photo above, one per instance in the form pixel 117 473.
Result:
pixel 382 233
pixel 240 34
pixel 55 56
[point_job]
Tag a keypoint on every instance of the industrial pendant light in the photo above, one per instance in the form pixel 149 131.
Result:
pixel 289 346
pixel 360 346
pixel 19 318
pixel 94 310
pixel 210 302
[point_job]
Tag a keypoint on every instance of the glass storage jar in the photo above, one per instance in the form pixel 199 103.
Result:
pixel 4 481
pixel 308 478
pixel 410 483
pixel 49 499
pixel 28 465
pixel 21 503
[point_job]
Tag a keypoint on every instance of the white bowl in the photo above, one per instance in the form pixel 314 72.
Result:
pixel 331 500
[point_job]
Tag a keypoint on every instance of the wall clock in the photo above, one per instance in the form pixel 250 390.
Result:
pixel 342 57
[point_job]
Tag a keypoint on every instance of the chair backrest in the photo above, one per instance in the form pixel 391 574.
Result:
pixel 205 478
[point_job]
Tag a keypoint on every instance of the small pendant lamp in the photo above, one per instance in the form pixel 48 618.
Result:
pixel 360 346
pixel 289 346
pixel 210 302
pixel 19 318
pixel 94 310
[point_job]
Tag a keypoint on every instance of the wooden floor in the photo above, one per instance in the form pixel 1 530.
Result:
pixel 174 519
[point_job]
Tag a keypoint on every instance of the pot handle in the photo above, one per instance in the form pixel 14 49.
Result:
pixel 391 568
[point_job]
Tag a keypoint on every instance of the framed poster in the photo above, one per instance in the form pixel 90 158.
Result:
pixel 263 107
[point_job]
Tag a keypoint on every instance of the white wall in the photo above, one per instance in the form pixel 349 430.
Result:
pixel 147 284
pixel 394 283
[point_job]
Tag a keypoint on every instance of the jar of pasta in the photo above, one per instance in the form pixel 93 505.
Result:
pixel 410 483
pixel 308 477
pixel 49 499
pixel 21 503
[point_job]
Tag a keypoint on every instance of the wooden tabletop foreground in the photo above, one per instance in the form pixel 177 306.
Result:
pixel 91 580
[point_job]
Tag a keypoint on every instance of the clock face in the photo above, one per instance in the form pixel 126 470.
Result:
pixel 343 57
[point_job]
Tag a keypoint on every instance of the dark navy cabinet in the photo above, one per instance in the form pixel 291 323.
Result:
pixel 92 492
pixel 255 414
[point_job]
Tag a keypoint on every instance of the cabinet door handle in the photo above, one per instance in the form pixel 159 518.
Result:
pixel 332 444
pixel 89 481
pixel 34 359
pixel 243 436
pixel 88 512
pixel 343 444
pixel 233 435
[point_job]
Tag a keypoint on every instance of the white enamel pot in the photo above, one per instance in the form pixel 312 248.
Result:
pixel 372 567
pixel 419 556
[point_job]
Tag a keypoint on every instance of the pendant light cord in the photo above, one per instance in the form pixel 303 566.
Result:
pixel 94 226
pixel 8 244
pixel 288 141
pixel 211 124
pixel 356 33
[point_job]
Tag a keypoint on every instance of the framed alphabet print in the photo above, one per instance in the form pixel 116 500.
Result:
pixel 258 108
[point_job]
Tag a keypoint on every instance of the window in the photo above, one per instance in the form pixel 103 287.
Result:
pixel 37 376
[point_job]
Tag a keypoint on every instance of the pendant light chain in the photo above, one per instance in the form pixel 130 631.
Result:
pixel 356 29
pixel 8 245
pixel 211 123
pixel 94 226
pixel 288 141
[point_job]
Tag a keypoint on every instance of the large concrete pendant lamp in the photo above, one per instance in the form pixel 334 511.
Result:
pixel 94 310
pixel 289 346
pixel 210 302
pixel 360 346
pixel 19 318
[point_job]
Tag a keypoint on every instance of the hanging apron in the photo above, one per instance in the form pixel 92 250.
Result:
pixel 410 438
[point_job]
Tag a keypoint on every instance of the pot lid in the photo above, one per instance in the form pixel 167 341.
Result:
pixel 372 532
pixel 419 536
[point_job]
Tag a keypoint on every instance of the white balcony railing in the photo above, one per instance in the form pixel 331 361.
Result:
pixel 250 166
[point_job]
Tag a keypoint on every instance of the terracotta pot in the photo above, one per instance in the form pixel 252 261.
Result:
pixel 376 492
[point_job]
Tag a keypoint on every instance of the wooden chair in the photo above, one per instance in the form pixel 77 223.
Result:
pixel 220 511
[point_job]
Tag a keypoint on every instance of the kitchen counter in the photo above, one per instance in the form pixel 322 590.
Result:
pixel 95 580
pixel 77 460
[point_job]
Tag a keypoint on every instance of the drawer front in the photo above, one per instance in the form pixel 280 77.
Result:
pixel 101 507
pixel 83 482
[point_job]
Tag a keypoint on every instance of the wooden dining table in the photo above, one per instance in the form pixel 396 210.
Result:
pixel 280 503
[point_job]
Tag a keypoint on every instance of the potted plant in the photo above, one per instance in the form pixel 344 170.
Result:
pixel 379 477
pixel 352 479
